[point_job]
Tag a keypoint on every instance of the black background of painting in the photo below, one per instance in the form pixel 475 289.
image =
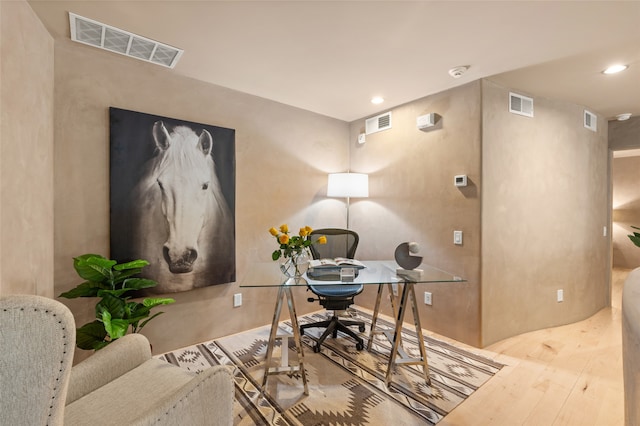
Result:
pixel 132 145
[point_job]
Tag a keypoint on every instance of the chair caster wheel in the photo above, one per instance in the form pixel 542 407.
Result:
pixel 361 328
pixel 359 346
pixel 316 348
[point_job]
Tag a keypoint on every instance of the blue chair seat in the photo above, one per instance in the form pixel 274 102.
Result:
pixel 343 290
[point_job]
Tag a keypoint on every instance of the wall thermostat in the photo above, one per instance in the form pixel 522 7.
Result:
pixel 460 180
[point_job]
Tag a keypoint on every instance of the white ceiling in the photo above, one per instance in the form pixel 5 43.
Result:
pixel 331 57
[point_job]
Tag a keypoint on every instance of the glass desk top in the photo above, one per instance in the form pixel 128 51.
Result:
pixel 268 274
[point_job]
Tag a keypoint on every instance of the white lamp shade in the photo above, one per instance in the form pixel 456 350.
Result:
pixel 348 185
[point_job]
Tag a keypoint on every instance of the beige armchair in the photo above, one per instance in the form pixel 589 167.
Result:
pixel 37 340
pixel 120 384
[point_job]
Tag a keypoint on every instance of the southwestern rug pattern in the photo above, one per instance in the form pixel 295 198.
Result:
pixel 346 386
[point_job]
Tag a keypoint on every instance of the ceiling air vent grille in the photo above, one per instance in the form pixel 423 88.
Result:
pixel 590 120
pixel 378 123
pixel 102 36
pixel 521 105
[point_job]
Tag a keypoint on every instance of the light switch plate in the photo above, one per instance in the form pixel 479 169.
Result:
pixel 457 237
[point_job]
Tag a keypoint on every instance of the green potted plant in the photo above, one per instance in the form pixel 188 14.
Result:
pixel 635 237
pixel 115 312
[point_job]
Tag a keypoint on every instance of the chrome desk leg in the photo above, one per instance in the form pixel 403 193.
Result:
pixel 374 320
pixel 376 311
pixel 296 338
pixel 392 299
pixel 408 292
pixel 416 322
pixel 272 337
pixel 397 334
pixel 284 292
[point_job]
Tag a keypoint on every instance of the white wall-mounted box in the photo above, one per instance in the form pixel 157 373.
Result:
pixel 426 121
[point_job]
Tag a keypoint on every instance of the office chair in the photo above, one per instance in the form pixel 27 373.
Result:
pixel 340 243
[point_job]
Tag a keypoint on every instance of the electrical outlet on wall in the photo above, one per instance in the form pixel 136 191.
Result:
pixel 237 300
pixel 427 298
pixel 560 296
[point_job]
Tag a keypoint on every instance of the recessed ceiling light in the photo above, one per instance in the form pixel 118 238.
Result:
pixel 377 100
pixel 623 117
pixel 615 68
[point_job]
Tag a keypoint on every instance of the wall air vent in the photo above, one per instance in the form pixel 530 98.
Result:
pixel 378 123
pixel 590 120
pixel 521 105
pixel 102 36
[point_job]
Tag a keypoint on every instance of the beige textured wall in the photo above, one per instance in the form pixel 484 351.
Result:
pixel 624 134
pixel 26 152
pixel 625 175
pixel 413 198
pixel 540 178
pixel 545 203
pixel 282 157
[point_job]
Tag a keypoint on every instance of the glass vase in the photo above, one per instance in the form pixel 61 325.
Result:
pixel 296 265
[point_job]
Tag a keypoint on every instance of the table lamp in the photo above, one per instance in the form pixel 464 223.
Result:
pixel 347 185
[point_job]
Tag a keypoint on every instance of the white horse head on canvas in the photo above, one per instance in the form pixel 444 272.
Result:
pixel 183 225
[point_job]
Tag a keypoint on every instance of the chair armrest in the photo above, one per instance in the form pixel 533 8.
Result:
pixel 207 399
pixel 107 364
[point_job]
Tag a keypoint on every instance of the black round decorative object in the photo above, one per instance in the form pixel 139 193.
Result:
pixel 404 256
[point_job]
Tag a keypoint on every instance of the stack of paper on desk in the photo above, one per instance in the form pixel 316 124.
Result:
pixel 338 269
pixel 338 262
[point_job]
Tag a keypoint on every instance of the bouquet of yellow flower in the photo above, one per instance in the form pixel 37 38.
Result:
pixel 291 245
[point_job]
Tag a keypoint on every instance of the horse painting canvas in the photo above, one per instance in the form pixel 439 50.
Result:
pixel 172 199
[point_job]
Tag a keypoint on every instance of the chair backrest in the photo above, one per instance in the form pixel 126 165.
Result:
pixel 340 243
pixel 37 340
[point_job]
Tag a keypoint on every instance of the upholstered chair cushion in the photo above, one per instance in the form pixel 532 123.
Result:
pixel 122 384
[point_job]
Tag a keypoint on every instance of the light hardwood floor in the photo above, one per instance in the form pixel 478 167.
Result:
pixel 569 375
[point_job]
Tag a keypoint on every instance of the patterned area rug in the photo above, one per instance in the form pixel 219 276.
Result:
pixel 346 386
